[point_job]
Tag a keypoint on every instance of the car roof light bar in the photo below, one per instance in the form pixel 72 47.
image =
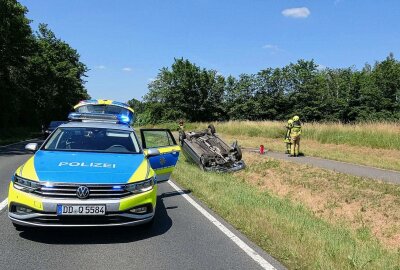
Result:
pixel 99 117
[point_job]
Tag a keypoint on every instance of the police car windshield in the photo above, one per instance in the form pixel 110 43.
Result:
pixel 85 139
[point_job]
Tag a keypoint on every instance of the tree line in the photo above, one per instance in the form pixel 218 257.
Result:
pixel 190 92
pixel 41 76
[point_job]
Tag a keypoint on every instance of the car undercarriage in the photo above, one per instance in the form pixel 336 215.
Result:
pixel 210 152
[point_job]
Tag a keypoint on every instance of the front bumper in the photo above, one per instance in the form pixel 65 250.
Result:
pixel 44 210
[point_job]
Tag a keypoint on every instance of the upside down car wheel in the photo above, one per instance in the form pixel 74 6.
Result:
pixel 211 128
pixel 238 154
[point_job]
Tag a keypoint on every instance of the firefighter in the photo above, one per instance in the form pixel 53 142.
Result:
pixel 295 134
pixel 180 125
pixel 287 136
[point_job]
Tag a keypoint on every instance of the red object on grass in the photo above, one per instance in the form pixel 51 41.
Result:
pixel 262 149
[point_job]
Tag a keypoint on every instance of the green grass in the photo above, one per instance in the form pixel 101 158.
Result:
pixel 286 229
pixel 16 134
pixel 373 135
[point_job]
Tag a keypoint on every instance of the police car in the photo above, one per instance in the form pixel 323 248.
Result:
pixel 93 171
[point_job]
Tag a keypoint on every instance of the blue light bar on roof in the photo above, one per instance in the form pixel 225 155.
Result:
pixel 100 117
pixel 124 119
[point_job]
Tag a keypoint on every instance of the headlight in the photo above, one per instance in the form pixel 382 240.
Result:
pixel 25 184
pixel 142 186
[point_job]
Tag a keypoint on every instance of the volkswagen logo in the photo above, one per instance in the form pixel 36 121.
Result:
pixel 82 192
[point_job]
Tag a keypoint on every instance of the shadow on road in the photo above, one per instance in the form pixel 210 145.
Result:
pixel 105 235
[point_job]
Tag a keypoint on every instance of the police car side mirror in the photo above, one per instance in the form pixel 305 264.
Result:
pixel 32 147
pixel 152 152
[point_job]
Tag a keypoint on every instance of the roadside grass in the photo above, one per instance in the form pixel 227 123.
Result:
pixel 307 218
pixel 16 134
pixel 370 144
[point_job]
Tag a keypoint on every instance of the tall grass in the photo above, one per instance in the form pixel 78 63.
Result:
pixel 373 135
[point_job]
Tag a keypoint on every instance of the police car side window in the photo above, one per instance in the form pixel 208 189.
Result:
pixel 157 138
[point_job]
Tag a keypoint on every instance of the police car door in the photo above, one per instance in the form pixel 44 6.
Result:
pixel 161 139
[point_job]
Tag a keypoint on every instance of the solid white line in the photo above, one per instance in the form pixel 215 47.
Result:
pixel 3 204
pixel 248 250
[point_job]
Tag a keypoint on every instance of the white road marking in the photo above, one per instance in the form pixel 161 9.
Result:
pixel 248 250
pixel 3 204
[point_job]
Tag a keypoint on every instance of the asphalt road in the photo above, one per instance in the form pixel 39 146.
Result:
pixel 181 238
pixel 338 166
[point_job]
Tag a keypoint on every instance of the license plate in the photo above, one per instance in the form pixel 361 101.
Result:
pixel 81 210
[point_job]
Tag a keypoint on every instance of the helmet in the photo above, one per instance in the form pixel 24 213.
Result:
pixel 290 121
pixel 296 118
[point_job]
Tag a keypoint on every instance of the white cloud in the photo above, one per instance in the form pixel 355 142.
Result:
pixel 301 12
pixel 273 49
pixel 101 67
pixel 321 67
pixel 127 69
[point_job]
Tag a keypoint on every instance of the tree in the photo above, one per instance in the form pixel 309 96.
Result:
pixel 16 46
pixel 56 77
pixel 301 88
pixel 186 91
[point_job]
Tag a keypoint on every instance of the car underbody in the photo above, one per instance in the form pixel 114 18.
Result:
pixel 210 152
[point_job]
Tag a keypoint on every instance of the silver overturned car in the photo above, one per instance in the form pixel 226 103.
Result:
pixel 210 152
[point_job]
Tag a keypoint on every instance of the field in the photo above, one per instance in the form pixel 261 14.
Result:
pixel 308 218
pixel 371 144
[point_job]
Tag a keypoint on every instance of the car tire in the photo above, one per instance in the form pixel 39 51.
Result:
pixel 204 160
pixel 238 154
pixel 211 128
pixel 19 227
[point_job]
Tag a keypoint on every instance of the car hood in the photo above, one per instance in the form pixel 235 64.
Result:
pixel 87 167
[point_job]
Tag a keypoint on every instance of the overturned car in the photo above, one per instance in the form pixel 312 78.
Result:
pixel 211 153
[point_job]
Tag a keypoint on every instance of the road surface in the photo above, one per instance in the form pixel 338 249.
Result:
pixel 182 238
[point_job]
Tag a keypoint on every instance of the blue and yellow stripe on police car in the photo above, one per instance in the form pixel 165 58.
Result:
pixel 28 170
pixel 142 172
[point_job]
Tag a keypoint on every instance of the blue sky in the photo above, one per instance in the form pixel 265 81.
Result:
pixel 125 43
